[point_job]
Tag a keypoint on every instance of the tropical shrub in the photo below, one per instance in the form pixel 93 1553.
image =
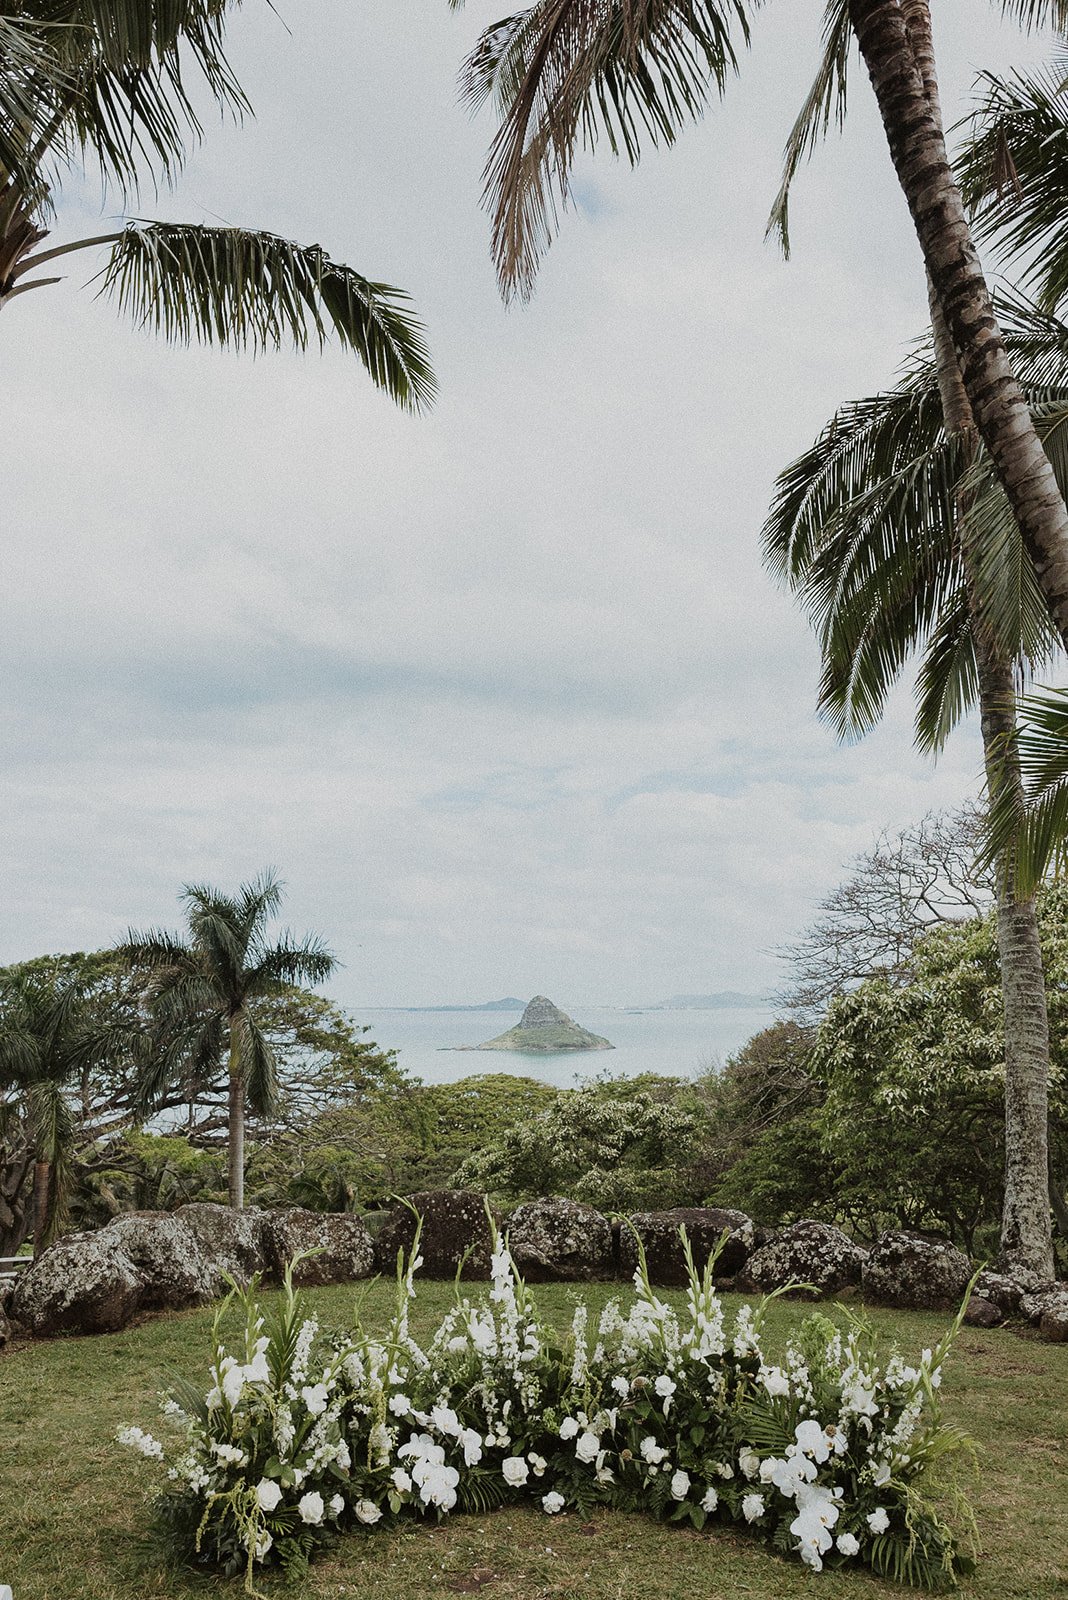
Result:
pixel 616 1146
pixel 826 1455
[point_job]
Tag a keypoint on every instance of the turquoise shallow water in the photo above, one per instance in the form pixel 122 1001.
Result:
pixel 678 1043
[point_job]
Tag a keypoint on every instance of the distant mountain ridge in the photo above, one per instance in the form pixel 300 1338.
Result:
pixel 509 1004
pixel 709 1002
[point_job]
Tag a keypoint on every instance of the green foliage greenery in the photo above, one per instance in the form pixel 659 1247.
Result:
pixel 617 1145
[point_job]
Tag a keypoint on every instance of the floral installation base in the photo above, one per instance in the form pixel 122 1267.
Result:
pixel 828 1456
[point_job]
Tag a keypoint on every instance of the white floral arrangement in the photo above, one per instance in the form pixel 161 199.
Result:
pixel 299 1437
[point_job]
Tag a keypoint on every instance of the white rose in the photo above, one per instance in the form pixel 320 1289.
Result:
pixel 680 1485
pixel 568 1429
pixel 337 1505
pixel 710 1501
pixel 553 1502
pixel 366 1511
pixel 753 1507
pixel 847 1544
pixel 401 1480
pixel 749 1462
pixel 588 1447
pixel 268 1494
pixel 516 1471
pixel 878 1522
pixel 311 1508
pixel 664 1386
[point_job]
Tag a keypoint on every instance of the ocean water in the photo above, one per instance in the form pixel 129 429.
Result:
pixel 677 1043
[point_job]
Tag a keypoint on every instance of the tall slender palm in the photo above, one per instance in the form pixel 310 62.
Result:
pixel 566 72
pixel 204 991
pixel 895 534
pixel 107 82
pixel 48 1039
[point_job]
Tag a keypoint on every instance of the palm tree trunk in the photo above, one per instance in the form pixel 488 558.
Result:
pixel 236 1132
pixel 42 1195
pixel 918 150
pixel 1026 1234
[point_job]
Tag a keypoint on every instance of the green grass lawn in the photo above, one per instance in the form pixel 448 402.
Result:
pixel 74 1522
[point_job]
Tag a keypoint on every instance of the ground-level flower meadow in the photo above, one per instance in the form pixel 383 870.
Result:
pixel 298 1436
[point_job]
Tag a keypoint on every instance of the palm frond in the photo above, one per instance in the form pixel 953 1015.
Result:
pixel 947 682
pixel 1007 590
pixel 1033 14
pixel 566 73
pixel 1014 175
pixel 825 100
pixel 122 95
pixel 31 75
pixel 259 1070
pixel 1035 839
pixel 241 289
pixel 289 961
pixel 260 898
pixel 865 526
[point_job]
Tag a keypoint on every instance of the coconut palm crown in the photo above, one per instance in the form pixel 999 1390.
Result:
pixel 203 991
pixel 111 84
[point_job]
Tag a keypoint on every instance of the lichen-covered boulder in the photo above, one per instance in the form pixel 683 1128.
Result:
pixel 455 1228
pixel 84 1283
pixel 556 1238
pixel 1047 1308
pixel 917 1270
pixel 705 1227
pixel 234 1243
pixel 170 1258
pixel 807 1252
pixel 343 1247
pixel 998 1290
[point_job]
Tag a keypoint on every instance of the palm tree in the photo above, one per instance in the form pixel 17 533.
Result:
pixel 49 1037
pixel 204 991
pixel 895 533
pixel 80 82
pixel 566 72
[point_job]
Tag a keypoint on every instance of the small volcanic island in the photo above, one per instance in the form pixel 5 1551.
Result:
pixel 544 1029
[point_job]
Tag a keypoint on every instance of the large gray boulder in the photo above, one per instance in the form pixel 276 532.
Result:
pixel 555 1238
pixel 917 1270
pixel 84 1283
pixel 166 1252
pixel 996 1296
pixel 705 1227
pixel 1047 1308
pixel 343 1247
pixel 5 1328
pixel 455 1229
pixel 234 1243
pixel 808 1252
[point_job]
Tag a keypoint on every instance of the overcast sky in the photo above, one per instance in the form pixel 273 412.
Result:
pixel 503 691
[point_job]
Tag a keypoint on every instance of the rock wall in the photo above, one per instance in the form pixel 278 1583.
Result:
pixel 146 1262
